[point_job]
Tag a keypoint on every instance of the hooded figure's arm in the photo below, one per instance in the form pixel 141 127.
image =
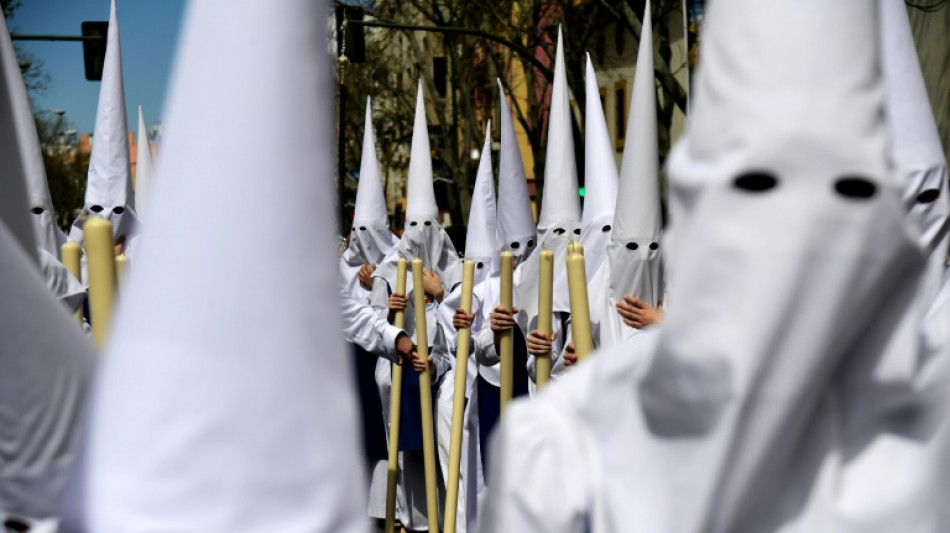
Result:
pixel 483 346
pixel 363 326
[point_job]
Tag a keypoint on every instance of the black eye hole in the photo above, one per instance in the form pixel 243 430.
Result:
pixel 15 524
pixel 856 188
pixel 96 209
pixel 118 210
pixel 755 182
pixel 515 245
pixel 577 231
pixel 606 228
pixel 428 223
pixel 36 210
pixel 531 243
pixel 479 264
pixel 559 231
pixel 632 246
pixel 928 197
pixel 654 246
pixel 413 223
pixel 362 228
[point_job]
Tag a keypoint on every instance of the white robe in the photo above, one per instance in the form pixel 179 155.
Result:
pixel 410 487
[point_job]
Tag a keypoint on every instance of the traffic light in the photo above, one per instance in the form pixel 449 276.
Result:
pixel 581 191
pixel 94 50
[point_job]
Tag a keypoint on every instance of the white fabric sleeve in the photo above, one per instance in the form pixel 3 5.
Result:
pixel 363 326
pixel 483 344
pixel 379 297
pixel 537 459
pixel 440 354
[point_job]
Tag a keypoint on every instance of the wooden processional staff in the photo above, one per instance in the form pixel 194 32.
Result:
pixel 506 342
pixel 100 263
pixel 425 398
pixel 458 401
pixel 545 313
pixel 395 409
pixel 580 307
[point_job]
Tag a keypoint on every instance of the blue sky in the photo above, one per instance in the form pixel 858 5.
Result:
pixel 149 32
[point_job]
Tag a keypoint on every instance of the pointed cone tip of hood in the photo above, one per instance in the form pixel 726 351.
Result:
pixel 480 237
pixel 915 140
pixel 600 166
pixel 14 205
pixel 258 358
pixel 637 214
pixel 110 178
pixel 370 199
pixel 421 204
pixel 515 217
pixel 560 203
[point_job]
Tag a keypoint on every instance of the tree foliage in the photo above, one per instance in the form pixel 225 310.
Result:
pixel 512 40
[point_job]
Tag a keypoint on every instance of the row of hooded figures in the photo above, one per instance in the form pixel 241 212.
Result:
pixel 528 302
pixel 773 360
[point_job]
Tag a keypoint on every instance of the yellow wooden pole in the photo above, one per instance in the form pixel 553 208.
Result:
pixel 71 253
pixel 580 307
pixel 545 314
pixel 458 402
pixel 506 343
pixel 121 269
pixel 100 264
pixel 425 398
pixel 395 410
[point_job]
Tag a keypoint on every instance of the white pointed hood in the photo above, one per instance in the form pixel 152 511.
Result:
pixel 916 150
pixel 109 191
pixel 634 251
pixel 423 236
pixel 13 153
pixel 517 232
pixel 600 178
pixel 792 259
pixel 230 428
pixel 560 218
pixel 370 237
pixel 421 194
pixel 42 215
pixel 143 167
pixel 480 239
pixel 560 206
pixel 48 365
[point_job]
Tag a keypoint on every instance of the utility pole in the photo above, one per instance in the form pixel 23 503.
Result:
pixel 350 48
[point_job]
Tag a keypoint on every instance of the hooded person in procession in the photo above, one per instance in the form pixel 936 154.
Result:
pixel 515 233
pixel 207 417
pixel 559 224
pixel 423 238
pixel 49 238
pixel 600 178
pixel 794 265
pixel 481 246
pixel 46 362
pixel 370 240
pixel 626 291
pixel 370 237
pixel 895 411
pixel 109 192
